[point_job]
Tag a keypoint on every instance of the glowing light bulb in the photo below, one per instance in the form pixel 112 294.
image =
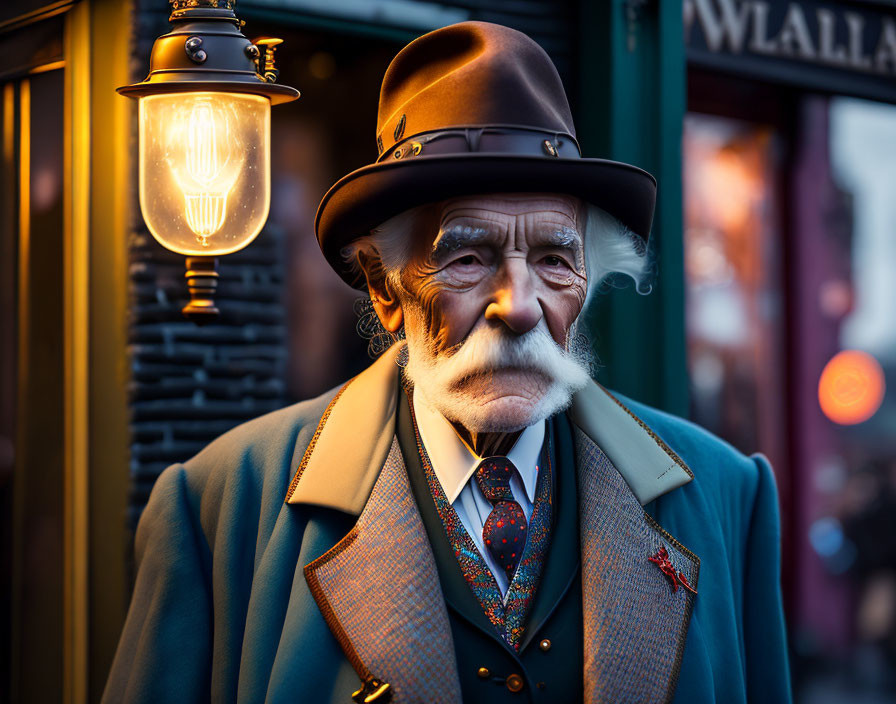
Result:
pixel 204 169
pixel 211 166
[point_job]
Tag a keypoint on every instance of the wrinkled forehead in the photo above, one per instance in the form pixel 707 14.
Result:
pixel 543 219
pixel 562 208
pixel 463 217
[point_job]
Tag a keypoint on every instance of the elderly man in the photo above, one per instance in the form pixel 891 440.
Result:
pixel 471 518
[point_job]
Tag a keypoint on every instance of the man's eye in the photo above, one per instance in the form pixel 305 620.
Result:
pixel 468 260
pixel 553 260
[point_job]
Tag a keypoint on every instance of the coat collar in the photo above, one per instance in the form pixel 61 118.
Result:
pixel 356 431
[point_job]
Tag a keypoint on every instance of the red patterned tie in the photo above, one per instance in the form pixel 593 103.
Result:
pixel 505 529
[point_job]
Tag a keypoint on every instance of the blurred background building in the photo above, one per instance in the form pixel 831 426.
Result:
pixel 772 322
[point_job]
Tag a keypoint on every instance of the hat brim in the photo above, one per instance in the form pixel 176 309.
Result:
pixel 369 196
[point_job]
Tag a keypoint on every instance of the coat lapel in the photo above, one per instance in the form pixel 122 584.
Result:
pixel 636 614
pixel 355 434
pixel 378 588
pixel 379 592
pixel 635 619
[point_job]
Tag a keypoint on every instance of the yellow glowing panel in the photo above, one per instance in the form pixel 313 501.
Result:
pixel 851 387
pixel 205 177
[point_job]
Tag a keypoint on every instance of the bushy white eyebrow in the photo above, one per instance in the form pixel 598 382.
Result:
pixel 456 237
pixel 565 237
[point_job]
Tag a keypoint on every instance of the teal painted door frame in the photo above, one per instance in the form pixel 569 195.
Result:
pixel 631 105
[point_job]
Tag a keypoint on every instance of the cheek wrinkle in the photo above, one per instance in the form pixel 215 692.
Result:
pixel 425 291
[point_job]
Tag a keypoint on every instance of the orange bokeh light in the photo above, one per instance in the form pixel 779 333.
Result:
pixel 851 387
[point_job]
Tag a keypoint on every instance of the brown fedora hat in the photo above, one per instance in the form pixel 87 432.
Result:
pixel 473 108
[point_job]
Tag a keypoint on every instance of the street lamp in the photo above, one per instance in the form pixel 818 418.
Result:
pixel 205 140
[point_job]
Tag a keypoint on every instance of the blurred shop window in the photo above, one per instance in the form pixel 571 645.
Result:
pixel 790 254
pixel 863 161
pixel 733 283
pixel 862 144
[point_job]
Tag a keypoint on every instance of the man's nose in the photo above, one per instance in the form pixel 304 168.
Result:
pixel 514 302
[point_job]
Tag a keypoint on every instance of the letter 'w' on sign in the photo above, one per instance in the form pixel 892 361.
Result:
pixel 728 24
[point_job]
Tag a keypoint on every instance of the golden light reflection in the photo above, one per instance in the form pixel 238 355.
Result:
pixel 738 187
pixel 851 387
pixel 727 202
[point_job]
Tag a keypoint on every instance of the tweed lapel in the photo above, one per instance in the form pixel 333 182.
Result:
pixel 379 592
pixel 635 625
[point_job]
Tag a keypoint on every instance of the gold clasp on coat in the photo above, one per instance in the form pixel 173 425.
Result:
pixel 373 690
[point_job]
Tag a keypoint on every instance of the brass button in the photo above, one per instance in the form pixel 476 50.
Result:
pixel 483 673
pixel 514 683
pixel 545 645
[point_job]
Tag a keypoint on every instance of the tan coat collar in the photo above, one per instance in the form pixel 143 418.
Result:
pixel 356 431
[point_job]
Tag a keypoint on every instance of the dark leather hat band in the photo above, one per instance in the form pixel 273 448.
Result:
pixel 494 139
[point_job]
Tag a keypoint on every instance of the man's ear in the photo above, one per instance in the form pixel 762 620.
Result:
pixel 385 301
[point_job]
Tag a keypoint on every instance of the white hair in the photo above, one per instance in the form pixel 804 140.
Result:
pixel 612 251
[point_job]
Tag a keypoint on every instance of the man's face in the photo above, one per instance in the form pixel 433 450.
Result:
pixel 488 303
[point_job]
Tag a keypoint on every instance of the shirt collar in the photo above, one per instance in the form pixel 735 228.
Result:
pixel 454 463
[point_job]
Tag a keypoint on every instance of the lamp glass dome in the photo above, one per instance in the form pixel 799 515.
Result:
pixel 205 176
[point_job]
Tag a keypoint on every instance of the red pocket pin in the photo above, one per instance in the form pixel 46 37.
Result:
pixel 661 560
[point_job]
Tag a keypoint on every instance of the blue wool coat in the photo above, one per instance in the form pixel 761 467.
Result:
pixel 286 562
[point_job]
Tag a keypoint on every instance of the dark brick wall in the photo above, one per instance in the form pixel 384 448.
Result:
pixel 190 384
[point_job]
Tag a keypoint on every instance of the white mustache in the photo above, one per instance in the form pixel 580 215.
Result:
pixel 490 349
pixel 439 377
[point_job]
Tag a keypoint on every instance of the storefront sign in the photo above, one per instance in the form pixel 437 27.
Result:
pixel 812 44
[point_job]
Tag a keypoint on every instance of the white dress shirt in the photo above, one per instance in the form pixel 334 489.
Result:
pixel 454 464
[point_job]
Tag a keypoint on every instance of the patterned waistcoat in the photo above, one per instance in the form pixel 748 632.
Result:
pixel 549 661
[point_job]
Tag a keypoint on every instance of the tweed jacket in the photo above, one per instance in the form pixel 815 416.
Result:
pixel 287 562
